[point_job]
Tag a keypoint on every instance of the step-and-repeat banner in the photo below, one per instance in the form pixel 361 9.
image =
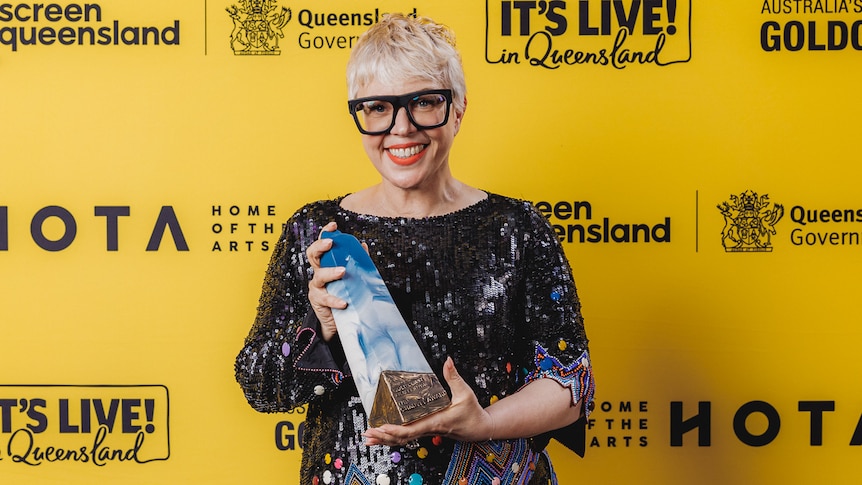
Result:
pixel 699 161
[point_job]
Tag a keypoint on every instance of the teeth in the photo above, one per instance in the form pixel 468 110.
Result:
pixel 406 152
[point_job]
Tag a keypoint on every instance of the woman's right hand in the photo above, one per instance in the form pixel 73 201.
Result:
pixel 321 301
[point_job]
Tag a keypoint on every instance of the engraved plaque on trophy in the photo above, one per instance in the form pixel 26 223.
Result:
pixel 394 380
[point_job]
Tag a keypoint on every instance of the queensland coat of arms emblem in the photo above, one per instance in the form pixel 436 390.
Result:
pixel 257 27
pixel 749 222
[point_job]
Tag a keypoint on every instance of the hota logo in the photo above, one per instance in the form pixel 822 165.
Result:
pixel 609 33
pixel 257 27
pixel 749 222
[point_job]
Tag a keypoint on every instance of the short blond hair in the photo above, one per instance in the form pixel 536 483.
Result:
pixel 400 48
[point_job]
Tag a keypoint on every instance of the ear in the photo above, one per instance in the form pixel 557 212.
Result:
pixel 459 116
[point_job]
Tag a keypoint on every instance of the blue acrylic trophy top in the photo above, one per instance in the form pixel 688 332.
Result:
pixel 371 329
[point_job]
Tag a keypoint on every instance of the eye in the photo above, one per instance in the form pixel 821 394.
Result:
pixel 374 107
pixel 427 101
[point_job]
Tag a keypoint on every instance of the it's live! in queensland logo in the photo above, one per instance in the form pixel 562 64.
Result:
pixel 610 33
pixel 87 425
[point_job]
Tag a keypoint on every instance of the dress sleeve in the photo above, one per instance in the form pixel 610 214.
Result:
pixel 554 328
pixel 284 362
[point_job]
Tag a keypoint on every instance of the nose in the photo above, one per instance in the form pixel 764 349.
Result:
pixel 403 125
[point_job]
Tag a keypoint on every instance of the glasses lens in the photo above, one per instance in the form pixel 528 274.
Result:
pixel 428 110
pixel 374 115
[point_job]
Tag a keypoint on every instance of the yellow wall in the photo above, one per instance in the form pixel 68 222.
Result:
pixel 755 350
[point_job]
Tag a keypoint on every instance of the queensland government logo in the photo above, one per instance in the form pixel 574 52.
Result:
pixel 257 27
pixel 749 222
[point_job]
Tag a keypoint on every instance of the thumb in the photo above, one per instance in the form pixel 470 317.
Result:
pixel 453 378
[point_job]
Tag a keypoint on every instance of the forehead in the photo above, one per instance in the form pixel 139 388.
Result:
pixel 391 88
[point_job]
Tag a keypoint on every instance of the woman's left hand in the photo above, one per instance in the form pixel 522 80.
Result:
pixel 463 420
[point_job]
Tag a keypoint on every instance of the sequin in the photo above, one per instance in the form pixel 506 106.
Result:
pixel 490 457
pixel 516 467
pixel 315 480
pixel 395 457
pixel 382 479
pixel 422 453
pixel 437 440
pixel 555 295
pixel 462 481
pixel 327 477
pixel 285 349
pixel 338 464
pixel 319 390
pixel 562 345
pixel 415 479
pixel 493 399
pixel 495 481
pixel 327 458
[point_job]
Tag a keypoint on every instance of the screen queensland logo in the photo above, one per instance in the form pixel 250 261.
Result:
pixel 25 25
pixel 552 34
pixel 578 222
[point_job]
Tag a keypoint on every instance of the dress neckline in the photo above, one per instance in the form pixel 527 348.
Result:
pixel 478 205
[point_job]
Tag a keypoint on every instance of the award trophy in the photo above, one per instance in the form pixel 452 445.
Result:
pixel 395 382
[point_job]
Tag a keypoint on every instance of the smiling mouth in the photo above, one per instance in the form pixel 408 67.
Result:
pixel 407 152
pixel 406 155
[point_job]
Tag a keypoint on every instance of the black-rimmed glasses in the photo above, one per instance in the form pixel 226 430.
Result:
pixel 375 115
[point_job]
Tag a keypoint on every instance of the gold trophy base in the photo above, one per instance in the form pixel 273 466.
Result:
pixel 404 397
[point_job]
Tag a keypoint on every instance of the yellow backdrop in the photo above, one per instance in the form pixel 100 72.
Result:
pixel 698 161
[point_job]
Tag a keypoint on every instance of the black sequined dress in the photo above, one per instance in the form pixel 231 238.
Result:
pixel 488 285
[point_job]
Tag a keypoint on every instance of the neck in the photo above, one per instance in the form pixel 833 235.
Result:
pixel 418 203
pixel 388 201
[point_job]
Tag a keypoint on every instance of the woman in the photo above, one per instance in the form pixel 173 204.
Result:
pixel 480 279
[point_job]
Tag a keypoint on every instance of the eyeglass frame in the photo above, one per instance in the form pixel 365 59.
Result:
pixel 398 102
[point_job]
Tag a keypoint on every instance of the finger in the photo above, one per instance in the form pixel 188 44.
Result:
pixel 387 434
pixel 321 245
pixel 316 251
pixel 327 301
pixel 323 276
pixel 374 440
pixel 320 298
pixel 374 436
pixel 329 227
